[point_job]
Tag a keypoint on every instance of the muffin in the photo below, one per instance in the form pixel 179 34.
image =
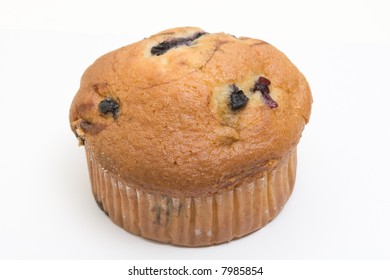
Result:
pixel 191 137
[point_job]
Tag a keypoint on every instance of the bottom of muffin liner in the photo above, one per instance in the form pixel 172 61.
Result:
pixel 194 220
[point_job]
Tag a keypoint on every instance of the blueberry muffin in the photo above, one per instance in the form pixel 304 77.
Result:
pixel 191 137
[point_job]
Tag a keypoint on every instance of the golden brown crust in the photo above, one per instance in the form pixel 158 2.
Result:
pixel 174 132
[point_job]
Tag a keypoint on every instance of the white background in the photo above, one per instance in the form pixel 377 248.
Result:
pixel 340 208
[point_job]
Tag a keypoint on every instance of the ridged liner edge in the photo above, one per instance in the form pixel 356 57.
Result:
pixel 194 221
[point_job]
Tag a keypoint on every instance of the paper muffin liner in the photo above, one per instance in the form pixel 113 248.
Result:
pixel 194 220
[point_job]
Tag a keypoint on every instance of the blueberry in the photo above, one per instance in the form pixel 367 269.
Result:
pixel 109 105
pixel 269 101
pixel 264 81
pixel 165 46
pixel 238 99
pixel 262 85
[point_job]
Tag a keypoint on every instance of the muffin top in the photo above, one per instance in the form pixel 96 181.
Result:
pixel 185 112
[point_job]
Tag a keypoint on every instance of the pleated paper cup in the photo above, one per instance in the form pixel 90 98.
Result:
pixel 193 220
